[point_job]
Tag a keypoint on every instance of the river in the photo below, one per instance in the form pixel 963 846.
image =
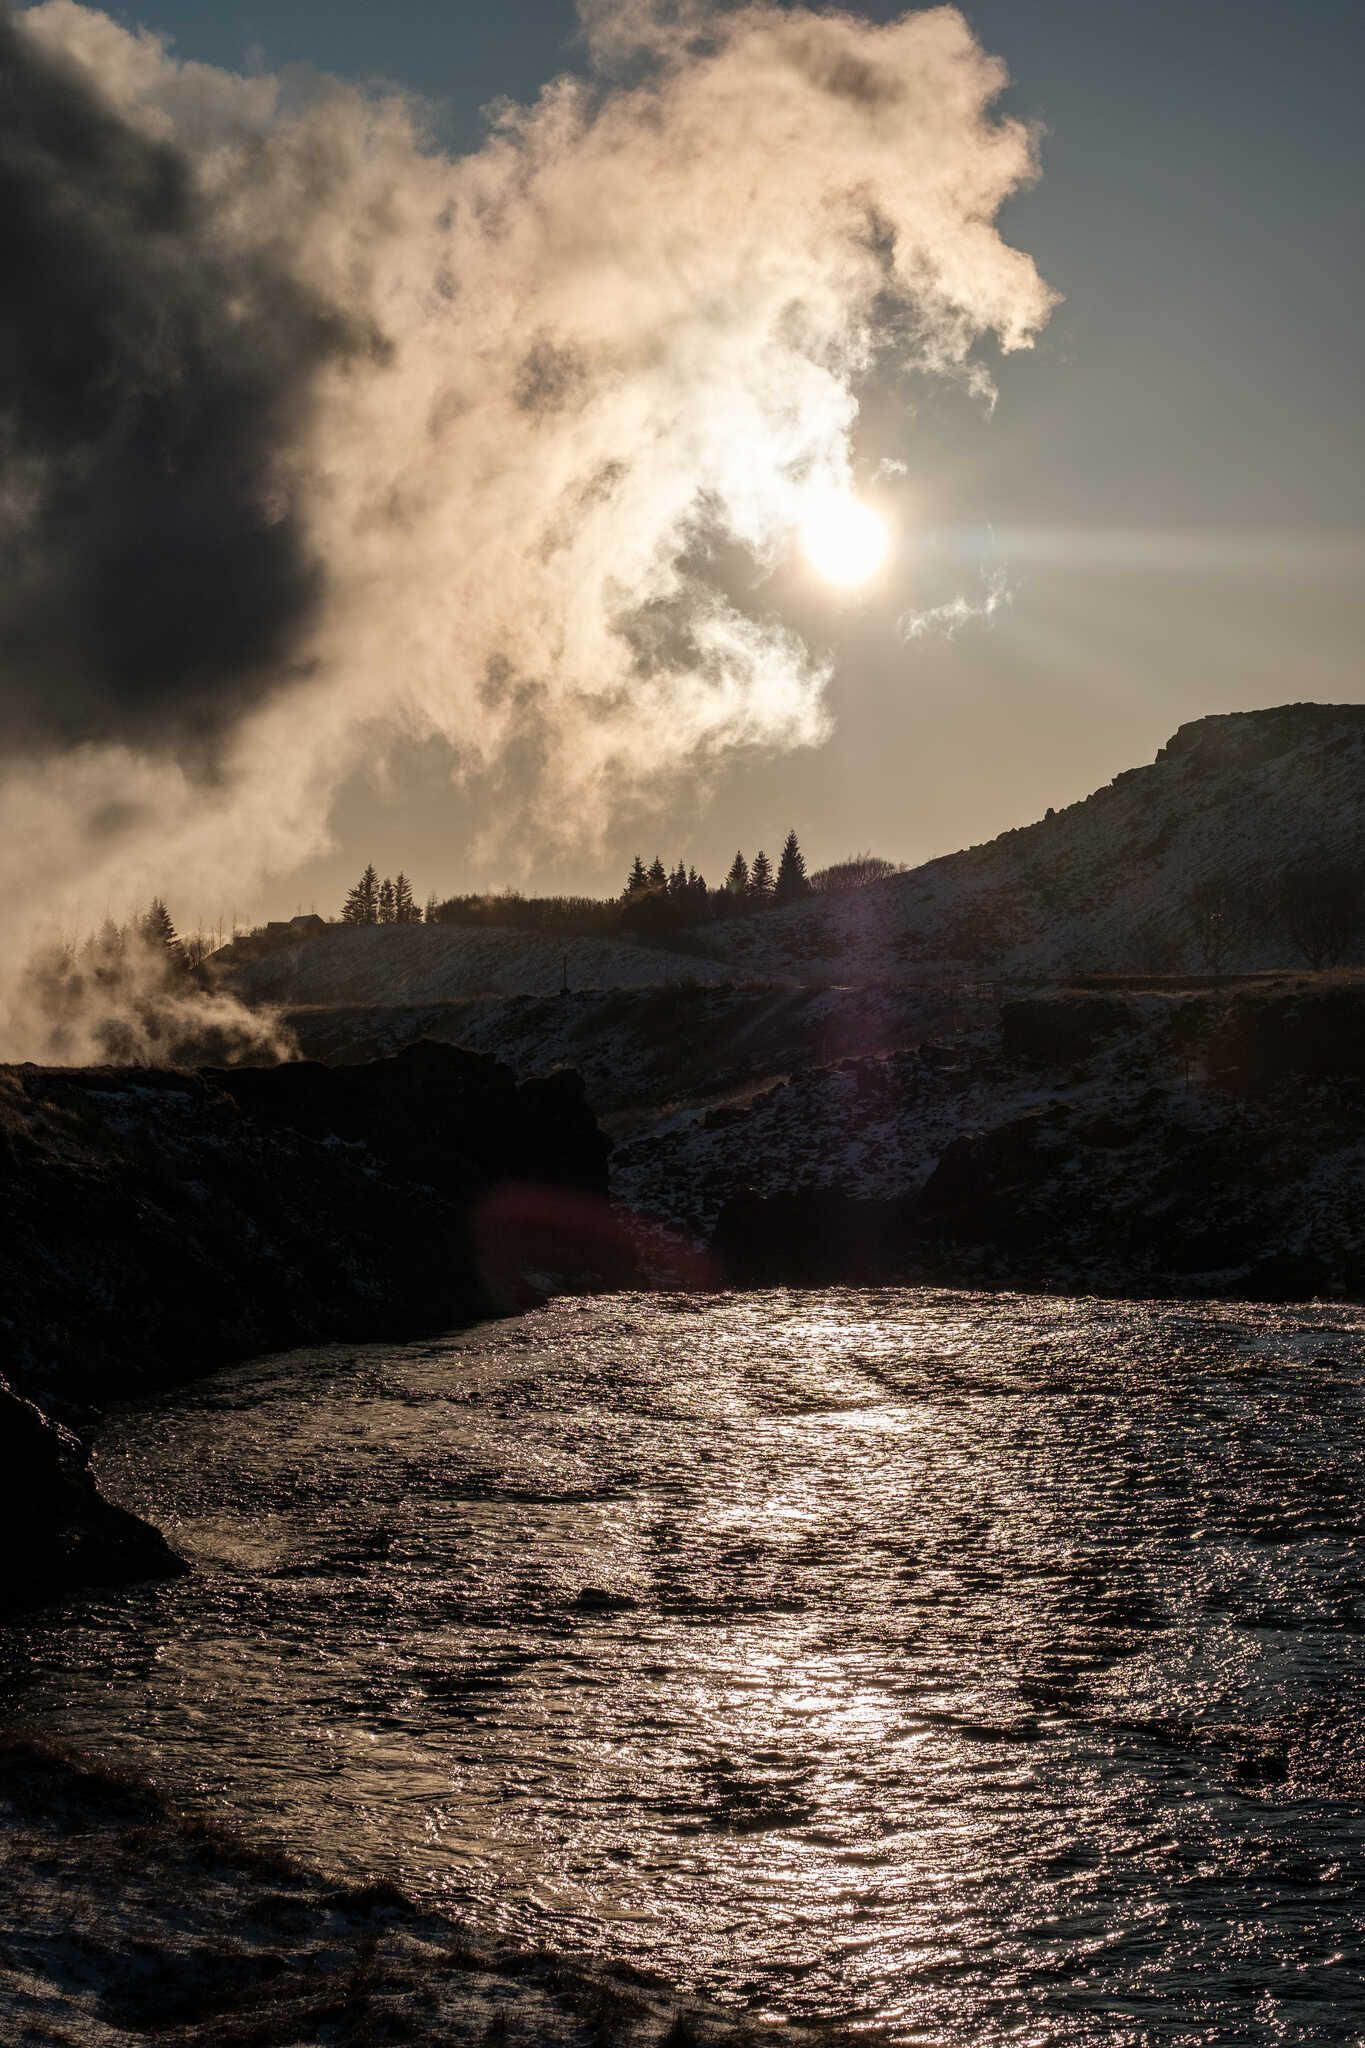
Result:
pixel 983 1668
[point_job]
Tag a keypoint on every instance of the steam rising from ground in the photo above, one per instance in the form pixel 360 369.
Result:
pixel 350 440
pixel 120 998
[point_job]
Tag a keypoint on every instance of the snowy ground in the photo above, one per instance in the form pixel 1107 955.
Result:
pixel 420 963
pixel 1156 1168
pixel 652 1046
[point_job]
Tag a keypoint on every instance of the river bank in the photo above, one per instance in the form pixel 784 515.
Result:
pixel 124 1918
pixel 156 1225
pixel 1197 1142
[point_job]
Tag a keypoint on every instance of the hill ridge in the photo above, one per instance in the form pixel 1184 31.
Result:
pixel 1104 883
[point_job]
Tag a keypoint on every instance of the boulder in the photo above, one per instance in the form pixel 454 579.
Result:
pixel 57 1531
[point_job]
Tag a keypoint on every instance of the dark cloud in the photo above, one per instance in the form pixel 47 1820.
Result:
pixel 152 383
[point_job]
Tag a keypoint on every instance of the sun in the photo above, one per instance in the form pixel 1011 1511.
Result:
pixel 843 539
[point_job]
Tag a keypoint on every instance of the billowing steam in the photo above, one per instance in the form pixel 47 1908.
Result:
pixel 122 998
pixel 310 434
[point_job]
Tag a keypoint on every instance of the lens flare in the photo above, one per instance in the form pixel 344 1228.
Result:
pixel 844 540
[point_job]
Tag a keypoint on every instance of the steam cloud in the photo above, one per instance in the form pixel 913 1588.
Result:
pixel 311 435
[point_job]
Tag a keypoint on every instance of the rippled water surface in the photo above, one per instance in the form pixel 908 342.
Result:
pixel 983 1669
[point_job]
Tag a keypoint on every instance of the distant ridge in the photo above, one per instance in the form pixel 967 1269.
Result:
pixel 1105 885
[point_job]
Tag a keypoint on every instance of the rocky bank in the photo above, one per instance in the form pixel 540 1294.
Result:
pixel 1159 1143
pixel 156 1225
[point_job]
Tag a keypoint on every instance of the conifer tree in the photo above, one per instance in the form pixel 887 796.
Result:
pixel 737 881
pixel 362 902
pixel 677 883
pixel 387 914
pixel 637 881
pixel 658 874
pixel 404 909
pixel 792 883
pixel 158 930
pixel 761 878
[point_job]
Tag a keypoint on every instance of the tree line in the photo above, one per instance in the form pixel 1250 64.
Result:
pixel 371 901
pixel 655 900
pixel 748 885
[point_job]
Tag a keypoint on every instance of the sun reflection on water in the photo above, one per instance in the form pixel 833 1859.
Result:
pixel 899 1658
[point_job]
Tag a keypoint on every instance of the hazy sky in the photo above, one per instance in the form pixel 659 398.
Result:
pixel 1163 511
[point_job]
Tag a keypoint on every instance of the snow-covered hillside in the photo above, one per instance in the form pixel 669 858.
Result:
pixel 1101 887
pixel 422 963
pixel 1105 885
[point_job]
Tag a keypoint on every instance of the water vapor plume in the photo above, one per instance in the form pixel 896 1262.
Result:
pixel 312 436
pixel 120 999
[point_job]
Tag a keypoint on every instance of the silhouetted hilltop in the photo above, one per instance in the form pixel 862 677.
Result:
pixel 1178 866
pixel 1174 866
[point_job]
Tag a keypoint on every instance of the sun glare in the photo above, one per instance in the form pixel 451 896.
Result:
pixel 844 540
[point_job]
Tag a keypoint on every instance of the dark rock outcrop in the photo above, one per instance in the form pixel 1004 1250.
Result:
pixel 154 1226
pixel 813 1237
pixel 1058 1029
pixel 437 1114
pixel 1208 1143
pixel 977 1189
pixel 1310 1029
pixel 56 1528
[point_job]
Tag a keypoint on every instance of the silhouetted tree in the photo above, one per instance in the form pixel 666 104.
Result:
pixel 362 902
pixel 1321 906
pixel 404 909
pixel 792 884
pixel 432 908
pixel 387 914
pixel 637 881
pixel 761 878
pixel 737 881
pixel 158 930
pixel 1214 912
pixel 658 874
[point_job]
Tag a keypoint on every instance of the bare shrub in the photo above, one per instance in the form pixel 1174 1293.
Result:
pixel 1322 903
pixel 854 873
